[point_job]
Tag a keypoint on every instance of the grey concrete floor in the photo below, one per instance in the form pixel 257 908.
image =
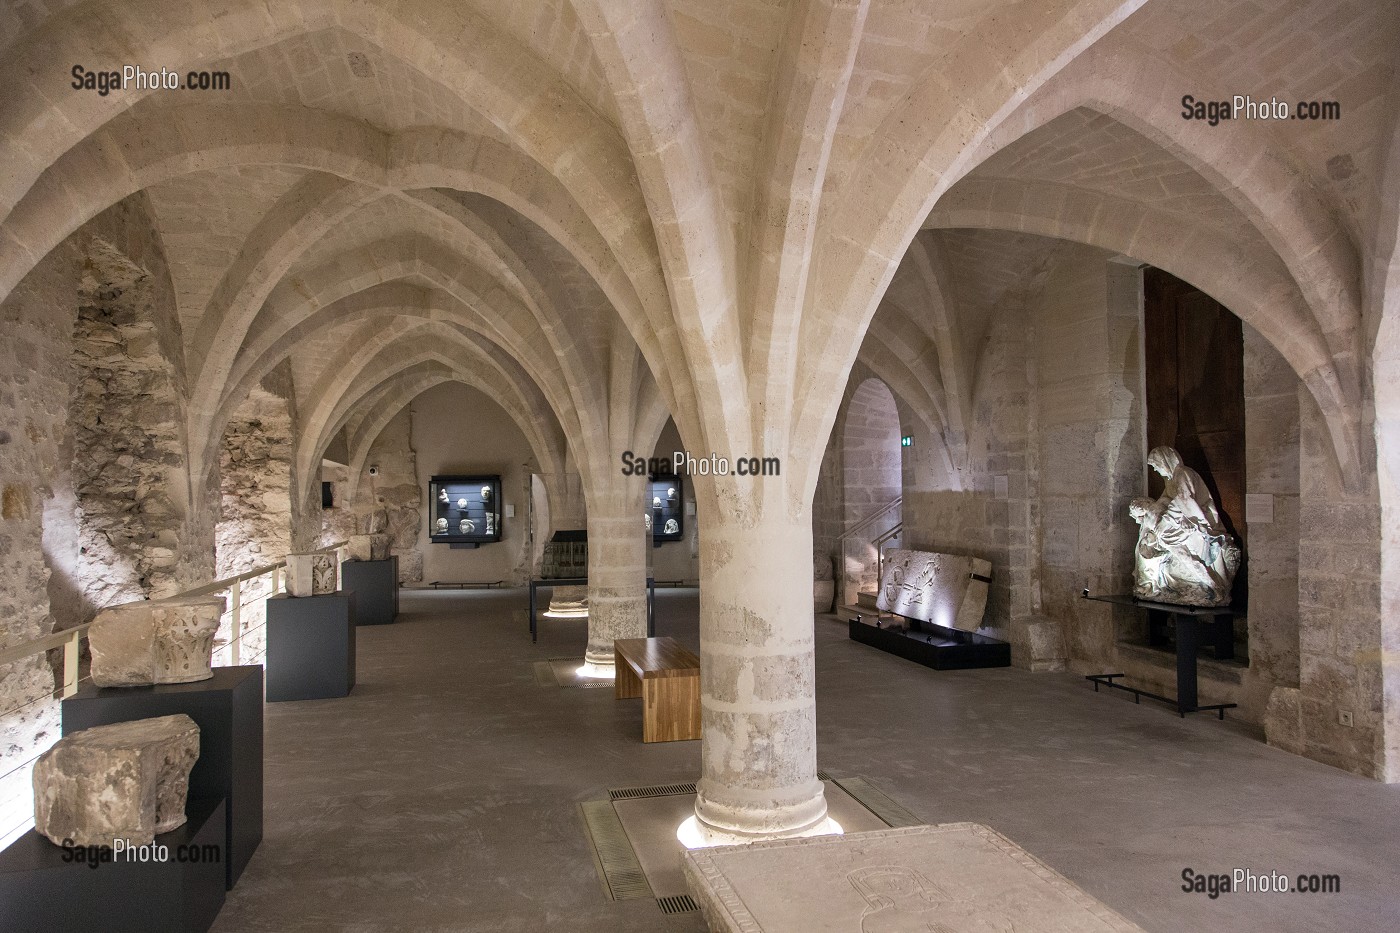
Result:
pixel 441 795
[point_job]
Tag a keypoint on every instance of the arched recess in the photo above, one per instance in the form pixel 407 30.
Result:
pixel 871 480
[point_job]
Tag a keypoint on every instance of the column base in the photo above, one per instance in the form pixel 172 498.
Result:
pixel 695 834
pixel 597 670
pixel 716 824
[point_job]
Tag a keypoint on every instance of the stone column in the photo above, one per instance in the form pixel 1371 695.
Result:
pixel 757 679
pixel 617 567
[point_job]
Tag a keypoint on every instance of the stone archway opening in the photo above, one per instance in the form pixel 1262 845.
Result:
pixel 871 482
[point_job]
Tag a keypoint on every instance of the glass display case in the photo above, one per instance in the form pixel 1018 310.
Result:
pixel 667 509
pixel 464 509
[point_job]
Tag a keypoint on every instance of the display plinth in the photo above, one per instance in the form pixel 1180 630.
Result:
pixel 228 708
pixel 310 647
pixel 943 649
pixel 39 890
pixel 375 584
pixel 1195 626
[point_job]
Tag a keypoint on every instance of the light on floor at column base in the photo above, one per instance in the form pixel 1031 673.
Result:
pixel 597 671
pixel 693 835
pixel 552 613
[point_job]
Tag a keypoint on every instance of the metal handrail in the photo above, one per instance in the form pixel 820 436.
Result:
pixel 894 532
pixel 71 639
pixel 870 519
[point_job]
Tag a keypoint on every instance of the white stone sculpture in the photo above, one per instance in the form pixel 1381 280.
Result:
pixel 671 493
pixel 124 781
pixel 490 523
pixel 945 589
pixel 443 496
pixel 1184 554
pixel 647 519
pixel 162 641
pixel 371 547
pixel 311 574
pixel 485 493
pixel 466 526
pixel 673 527
pixel 462 503
pixel 656 501
pixel 440 526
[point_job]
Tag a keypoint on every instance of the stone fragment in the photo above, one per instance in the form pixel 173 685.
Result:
pixel 159 641
pixel 368 547
pixel 311 574
pixel 124 781
pixel 945 589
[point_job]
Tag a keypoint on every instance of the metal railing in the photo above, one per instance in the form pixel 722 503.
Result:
pixel 244 598
pixel 849 583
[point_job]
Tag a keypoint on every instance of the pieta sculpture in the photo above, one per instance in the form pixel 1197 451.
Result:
pixel 1184 554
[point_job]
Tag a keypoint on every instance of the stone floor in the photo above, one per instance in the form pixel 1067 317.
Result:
pixel 441 795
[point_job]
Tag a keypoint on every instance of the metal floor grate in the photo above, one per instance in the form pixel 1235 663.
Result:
pixel 878 803
pixel 656 790
pixel 617 862
pixel 677 904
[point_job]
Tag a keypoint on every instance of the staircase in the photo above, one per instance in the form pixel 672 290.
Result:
pixel 862 558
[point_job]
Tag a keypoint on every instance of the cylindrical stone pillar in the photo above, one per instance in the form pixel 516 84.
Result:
pixel 757 680
pixel 617 568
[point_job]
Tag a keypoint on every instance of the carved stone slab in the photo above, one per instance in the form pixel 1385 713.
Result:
pixel 954 878
pixel 940 588
pixel 159 641
pixel 368 547
pixel 312 574
pixel 125 781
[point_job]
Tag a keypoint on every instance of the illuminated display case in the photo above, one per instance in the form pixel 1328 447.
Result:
pixel 464 510
pixel 667 509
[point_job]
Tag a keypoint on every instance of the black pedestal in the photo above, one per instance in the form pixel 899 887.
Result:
pixel 934 646
pixel 310 647
pixel 375 584
pixel 228 708
pixel 39 890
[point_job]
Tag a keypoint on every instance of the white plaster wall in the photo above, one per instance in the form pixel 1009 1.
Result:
pixel 458 430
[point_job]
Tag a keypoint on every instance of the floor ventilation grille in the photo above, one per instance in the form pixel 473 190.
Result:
pixel 617 862
pixel 657 790
pixel 878 803
pixel 677 904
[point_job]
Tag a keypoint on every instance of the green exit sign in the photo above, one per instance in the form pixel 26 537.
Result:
pixel 906 441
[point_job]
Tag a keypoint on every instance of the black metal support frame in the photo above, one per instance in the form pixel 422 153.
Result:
pixel 535 585
pixel 1195 626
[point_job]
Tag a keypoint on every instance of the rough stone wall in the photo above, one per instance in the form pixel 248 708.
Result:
pixel 1089 441
pixel 1339 616
pixel 1271 463
pixel 990 516
pixel 102 294
pixel 255 465
pixel 124 498
pixel 393 495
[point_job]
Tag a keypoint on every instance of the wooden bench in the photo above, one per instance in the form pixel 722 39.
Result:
pixel 667 678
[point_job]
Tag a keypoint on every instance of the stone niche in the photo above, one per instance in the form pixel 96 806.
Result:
pixel 312 574
pixel 944 589
pixel 128 781
pixel 159 641
pixel 368 547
